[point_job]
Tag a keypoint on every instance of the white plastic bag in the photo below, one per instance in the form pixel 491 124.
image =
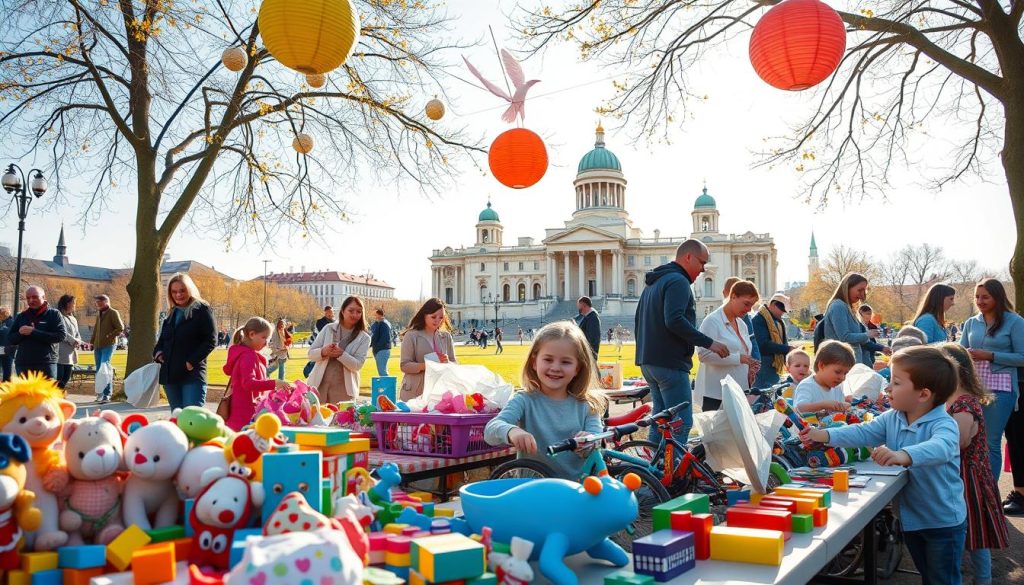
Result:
pixel 104 377
pixel 460 379
pixel 863 381
pixel 142 387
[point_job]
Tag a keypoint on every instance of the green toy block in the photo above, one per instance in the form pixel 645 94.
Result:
pixel 625 577
pixel 485 579
pixel 695 503
pixel 803 523
pixel 428 509
pixel 326 505
pixel 501 547
pixel 166 533
pixel 447 557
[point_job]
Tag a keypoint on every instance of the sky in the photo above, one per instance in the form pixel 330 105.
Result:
pixel 715 146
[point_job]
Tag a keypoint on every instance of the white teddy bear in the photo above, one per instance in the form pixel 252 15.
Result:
pixel 153 455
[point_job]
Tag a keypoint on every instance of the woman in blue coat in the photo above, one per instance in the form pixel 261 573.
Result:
pixel 842 324
pixel 931 313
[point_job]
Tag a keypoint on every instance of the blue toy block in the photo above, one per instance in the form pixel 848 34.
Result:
pixel 239 543
pixel 51 577
pixel 86 556
pixel 664 554
pixel 402 572
pixel 428 509
pixel 188 518
pixel 385 385
pixel 316 436
pixel 734 496
pixel 242 533
pixel 297 471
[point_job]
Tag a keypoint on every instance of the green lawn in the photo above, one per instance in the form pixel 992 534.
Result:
pixel 507 365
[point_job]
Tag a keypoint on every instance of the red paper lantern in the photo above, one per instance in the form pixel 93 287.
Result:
pixel 518 158
pixel 797 44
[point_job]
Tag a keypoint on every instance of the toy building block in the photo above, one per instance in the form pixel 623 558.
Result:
pixel 824 492
pixel 422 496
pixel 188 514
pixel 352 446
pixel 485 579
pixel 664 554
pixel 237 552
pixel 18 577
pixel 119 551
pixel 625 577
pixel 440 526
pixel 448 557
pixel 315 436
pixel 398 545
pixel 402 572
pixel 396 559
pixel 759 518
pixel 154 564
pixel 803 523
pixel 81 576
pixel 284 473
pixel 84 556
pixel 410 530
pixel 733 496
pixel 820 517
pixel 444 513
pixel 182 547
pixel 778 503
pixel 326 498
pixel 746 545
pixel 48 577
pixel 800 505
pixel 395 528
pixel 695 503
pixel 35 562
pixel 167 533
pixel 680 520
pixel 841 480
pixel 700 526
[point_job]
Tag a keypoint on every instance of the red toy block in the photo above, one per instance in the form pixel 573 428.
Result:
pixel 820 517
pixel 154 564
pixel 398 544
pixel 81 576
pixel 804 505
pixel 700 526
pixel 182 546
pixel 680 520
pixel 763 518
pixel 776 502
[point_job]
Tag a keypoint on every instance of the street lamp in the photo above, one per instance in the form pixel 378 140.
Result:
pixel 14 183
pixel 265 262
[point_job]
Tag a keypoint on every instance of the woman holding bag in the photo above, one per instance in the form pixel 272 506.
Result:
pixel 428 338
pixel 338 353
pixel 279 344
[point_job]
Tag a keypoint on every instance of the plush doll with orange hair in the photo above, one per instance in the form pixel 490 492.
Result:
pixel 16 511
pixel 34 408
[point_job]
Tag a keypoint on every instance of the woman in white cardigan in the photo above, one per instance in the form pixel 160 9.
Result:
pixel 338 353
pixel 726 325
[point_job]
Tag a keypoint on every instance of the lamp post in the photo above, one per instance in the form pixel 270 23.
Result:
pixel 14 183
pixel 265 262
pixel 496 302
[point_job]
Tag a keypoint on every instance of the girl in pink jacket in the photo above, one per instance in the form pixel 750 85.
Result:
pixel 247 368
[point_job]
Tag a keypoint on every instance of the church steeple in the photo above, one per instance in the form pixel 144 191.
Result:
pixel 814 246
pixel 62 250
pixel 812 259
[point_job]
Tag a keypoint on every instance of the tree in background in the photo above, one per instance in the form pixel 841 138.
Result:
pixel 133 93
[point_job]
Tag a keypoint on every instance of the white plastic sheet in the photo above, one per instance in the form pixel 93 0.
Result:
pixel 104 377
pixel 142 387
pixel 461 379
pixel 298 557
pixel 863 381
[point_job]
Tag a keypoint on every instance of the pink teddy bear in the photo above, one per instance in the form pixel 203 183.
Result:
pixel 91 503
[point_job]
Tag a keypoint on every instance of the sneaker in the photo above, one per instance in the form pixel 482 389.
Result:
pixel 103 400
pixel 1015 505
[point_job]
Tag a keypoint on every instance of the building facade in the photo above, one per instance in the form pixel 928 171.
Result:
pixel 331 287
pixel 598 253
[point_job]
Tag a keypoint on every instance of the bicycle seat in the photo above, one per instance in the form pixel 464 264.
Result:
pixel 630 417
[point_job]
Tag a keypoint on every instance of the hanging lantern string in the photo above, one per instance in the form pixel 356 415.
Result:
pixel 543 95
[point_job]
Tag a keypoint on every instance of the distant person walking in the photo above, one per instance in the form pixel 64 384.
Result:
pixel 520 334
pixel 666 332
pixel 187 337
pixel 497 340
pixel 280 341
pixel 6 351
pixel 931 313
pixel 427 338
pixel 104 337
pixel 380 341
pixel 590 322
pixel 67 351
pixel 841 322
pixel 36 332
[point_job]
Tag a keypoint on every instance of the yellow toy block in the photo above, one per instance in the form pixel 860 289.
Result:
pixel 804 505
pixel 747 545
pixel 841 480
pixel 755 498
pixel 38 561
pixel 353 446
pixel 154 564
pixel 422 496
pixel 800 493
pixel 18 578
pixel 396 559
pixel 444 513
pixel 81 576
pixel 394 528
pixel 119 551
pixel 416 579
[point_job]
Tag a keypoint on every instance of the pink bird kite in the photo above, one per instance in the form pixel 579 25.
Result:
pixel 519 83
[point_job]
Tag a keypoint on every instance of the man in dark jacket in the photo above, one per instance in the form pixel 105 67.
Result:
pixel 36 332
pixel 666 332
pixel 590 322
pixel 6 351
pixel 324 321
pixel 770 333
pixel 380 342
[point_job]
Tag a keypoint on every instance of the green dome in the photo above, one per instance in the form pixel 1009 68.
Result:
pixel 489 214
pixel 704 200
pixel 600 157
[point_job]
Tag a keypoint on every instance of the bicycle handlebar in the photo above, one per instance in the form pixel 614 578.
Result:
pixel 574 443
pixel 667 414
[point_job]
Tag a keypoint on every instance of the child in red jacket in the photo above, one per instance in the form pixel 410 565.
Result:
pixel 247 368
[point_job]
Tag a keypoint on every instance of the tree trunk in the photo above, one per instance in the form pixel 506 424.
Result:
pixel 144 287
pixel 1013 165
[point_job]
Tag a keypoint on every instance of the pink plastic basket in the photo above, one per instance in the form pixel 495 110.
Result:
pixel 431 434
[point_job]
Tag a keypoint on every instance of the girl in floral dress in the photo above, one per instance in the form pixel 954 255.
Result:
pixel 986 524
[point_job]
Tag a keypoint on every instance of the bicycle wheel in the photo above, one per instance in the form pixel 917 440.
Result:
pixel 523 469
pixel 641 449
pixel 889 538
pixel 648 495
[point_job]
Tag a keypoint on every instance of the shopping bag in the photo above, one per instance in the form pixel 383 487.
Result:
pixel 105 377
pixel 460 379
pixel 863 381
pixel 142 387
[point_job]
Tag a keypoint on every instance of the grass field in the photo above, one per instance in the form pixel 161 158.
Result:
pixel 507 364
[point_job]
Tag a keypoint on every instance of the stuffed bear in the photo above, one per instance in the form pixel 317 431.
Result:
pixel 153 454
pixel 93 447
pixel 196 462
pixel 17 513
pixel 224 505
pixel 34 408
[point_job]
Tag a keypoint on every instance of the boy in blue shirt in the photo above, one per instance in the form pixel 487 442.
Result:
pixel 918 434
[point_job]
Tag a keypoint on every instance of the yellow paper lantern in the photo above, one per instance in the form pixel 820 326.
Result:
pixel 435 109
pixel 316 80
pixel 310 36
pixel 234 58
pixel 303 143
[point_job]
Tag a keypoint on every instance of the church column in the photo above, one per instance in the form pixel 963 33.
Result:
pixel 599 259
pixel 581 274
pixel 565 276
pixel 617 272
pixel 762 280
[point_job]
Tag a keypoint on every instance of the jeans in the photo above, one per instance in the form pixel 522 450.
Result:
pixel 981 564
pixel 500 349
pixel 381 357
pixel 7 365
pixel 63 375
pixel 997 414
pixel 937 553
pixel 48 370
pixel 186 394
pixel 103 355
pixel 278 366
pixel 669 387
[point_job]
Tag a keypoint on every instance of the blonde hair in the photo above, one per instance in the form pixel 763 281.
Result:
pixel 842 291
pixel 796 352
pixel 582 386
pixel 253 325
pixel 966 373
pixel 834 352
pixel 744 288
pixel 193 294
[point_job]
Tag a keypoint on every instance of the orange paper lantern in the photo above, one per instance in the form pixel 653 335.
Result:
pixel 797 44
pixel 434 109
pixel 518 158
